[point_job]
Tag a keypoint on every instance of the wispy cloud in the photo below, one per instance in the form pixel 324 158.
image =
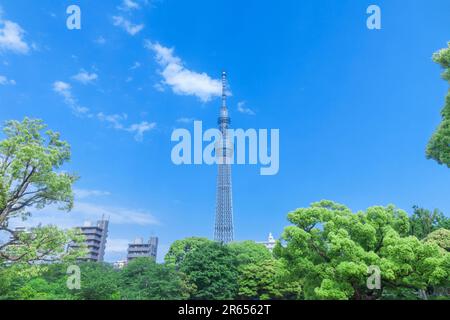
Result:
pixel 128 5
pixel 182 80
pixel 117 215
pixel 65 90
pixel 116 121
pixel 128 26
pixel 86 211
pixel 241 107
pixel 140 128
pixel 85 77
pixel 5 81
pixel 12 36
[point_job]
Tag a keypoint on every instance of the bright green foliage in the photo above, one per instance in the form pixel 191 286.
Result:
pixel 331 248
pixel 264 280
pixel 423 222
pixel 29 161
pixel 180 248
pixel 439 145
pixel 260 275
pixel 36 282
pixel 324 254
pixel 213 270
pixel 440 237
pixel 144 279
pixel 40 289
pixel 248 252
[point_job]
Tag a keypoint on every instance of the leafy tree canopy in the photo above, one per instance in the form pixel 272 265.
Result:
pixel 261 276
pixel 29 178
pixel 331 249
pixel 144 279
pixel 424 221
pixel 180 248
pixel 99 281
pixel 212 268
pixel 439 145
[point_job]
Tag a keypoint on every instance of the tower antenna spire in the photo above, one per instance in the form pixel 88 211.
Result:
pixel 224 89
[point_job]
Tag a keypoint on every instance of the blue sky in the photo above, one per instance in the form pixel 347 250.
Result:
pixel 355 107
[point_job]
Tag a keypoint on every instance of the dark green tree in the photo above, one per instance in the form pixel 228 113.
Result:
pixel 144 279
pixel 99 281
pixel 212 268
pixel 180 248
pixel 261 276
pixel 439 145
pixel 424 221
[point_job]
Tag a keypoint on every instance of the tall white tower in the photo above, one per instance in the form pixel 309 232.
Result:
pixel 223 231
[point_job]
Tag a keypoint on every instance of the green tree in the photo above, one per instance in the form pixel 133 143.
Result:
pixel 260 275
pixel 99 281
pixel 38 289
pixel 212 268
pixel 331 249
pixel 180 248
pixel 33 282
pixel 424 221
pixel 439 145
pixel 29 178
pixel 144 279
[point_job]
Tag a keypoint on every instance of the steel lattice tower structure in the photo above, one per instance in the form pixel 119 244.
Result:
pixel 223 231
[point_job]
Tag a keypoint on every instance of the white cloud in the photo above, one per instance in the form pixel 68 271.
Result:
pixel 182 80
pixel 117 215
pixel 65 90
pixel 85 193
pixel 5 81
pixel 60 86
pixel 128 5
pixel 128 26
pixel 116 121
pixel 85 77
pixel 11 37
pixel 85 211
pixel 140 128
pixel 243 109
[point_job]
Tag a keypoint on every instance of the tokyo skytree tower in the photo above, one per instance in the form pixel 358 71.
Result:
pixel 224 232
